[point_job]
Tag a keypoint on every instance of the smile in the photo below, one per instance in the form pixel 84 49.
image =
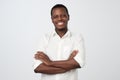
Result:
pixel 60 23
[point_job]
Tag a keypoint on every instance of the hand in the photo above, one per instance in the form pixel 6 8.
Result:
pixel 73 54
pixel 43 57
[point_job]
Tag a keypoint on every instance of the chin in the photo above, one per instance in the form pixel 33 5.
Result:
pixel 61 29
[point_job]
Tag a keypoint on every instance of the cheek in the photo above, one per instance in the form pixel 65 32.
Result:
pixel 54 22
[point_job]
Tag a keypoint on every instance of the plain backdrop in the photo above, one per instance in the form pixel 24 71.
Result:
pixel 22 22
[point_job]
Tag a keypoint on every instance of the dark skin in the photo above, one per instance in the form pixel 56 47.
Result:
pixel 54 67
pixel 60 19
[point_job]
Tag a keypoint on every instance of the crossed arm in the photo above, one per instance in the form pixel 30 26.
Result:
pixel 53 67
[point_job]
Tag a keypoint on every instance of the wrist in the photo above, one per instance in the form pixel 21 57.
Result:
pixel 49 63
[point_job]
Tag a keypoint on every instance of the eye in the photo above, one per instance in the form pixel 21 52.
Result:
pixel 55 16
pixel 64 16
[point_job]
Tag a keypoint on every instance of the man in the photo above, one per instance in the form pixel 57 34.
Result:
pixel 61 52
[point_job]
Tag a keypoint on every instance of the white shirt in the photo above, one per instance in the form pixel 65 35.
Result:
pixel 60 49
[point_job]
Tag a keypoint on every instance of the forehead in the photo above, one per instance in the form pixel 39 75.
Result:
pixel 59 10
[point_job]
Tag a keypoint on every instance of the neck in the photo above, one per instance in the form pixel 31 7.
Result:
pixel 61 32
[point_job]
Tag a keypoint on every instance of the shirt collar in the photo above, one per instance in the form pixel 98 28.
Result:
pixel 67 34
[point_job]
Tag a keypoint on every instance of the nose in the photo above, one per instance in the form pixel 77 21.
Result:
pixel 60 18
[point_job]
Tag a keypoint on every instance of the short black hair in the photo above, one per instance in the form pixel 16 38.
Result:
pixel 59 6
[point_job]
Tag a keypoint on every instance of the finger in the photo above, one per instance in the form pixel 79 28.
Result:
pixel 75 52
pixel 39 52
pixel 36 57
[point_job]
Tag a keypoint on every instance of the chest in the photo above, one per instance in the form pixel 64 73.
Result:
pixel 59 49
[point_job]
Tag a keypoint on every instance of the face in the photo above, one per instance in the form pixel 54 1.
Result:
pixel 60 18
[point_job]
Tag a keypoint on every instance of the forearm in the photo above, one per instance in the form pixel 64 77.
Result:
pixel 65 64
pixel 53 67
pixel 42 68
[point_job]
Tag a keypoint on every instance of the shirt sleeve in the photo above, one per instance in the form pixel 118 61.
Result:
pixel 41 47
pixel 79 45
pixel 36 63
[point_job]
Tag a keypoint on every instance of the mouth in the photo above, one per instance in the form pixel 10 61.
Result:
pixel 60 23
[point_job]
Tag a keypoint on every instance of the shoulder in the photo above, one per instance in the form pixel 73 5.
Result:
pixel 47 35
pixel 76 36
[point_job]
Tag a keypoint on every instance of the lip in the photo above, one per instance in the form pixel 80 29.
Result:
pixel 60 23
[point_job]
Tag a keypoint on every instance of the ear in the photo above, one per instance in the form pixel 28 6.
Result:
pixel 68 17
pixel 51 19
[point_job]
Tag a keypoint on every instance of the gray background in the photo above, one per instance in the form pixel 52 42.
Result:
pixel 22 22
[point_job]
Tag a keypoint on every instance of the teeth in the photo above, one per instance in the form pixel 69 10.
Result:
pixel 60 23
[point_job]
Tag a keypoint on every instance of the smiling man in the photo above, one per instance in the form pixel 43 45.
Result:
pixel 61 52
